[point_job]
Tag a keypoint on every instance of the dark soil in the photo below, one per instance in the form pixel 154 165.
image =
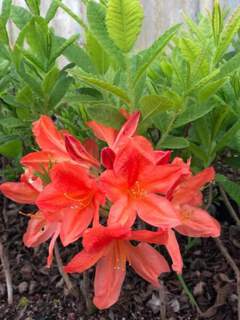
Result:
pixel 39 293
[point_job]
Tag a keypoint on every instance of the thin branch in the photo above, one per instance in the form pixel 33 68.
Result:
pixel 162 298
pixel 229 206
pixel 210 197
pixel 233 265
pixel 71 288
pixel 85 291
pixel 6 269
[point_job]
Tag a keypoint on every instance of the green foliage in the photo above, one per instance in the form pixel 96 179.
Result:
pixel 124 20
pixel 232 188
pixel 186 84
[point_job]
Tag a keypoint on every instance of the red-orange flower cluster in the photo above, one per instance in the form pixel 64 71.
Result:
pixel 101 200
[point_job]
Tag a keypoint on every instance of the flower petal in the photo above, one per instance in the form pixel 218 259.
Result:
pixel 74 222
pixel 123 212
pixel 157 211
pixel 128 129
pixel 114 186
pixel 20 192
pixel 108 282
pixel 196 222
pixel 174 251
pixel 83 261
pixel 102 132
pixel 47 136
pixel 38 231
pixel 157 237
pixel 78 152
pixel 148 263
pixel 52 244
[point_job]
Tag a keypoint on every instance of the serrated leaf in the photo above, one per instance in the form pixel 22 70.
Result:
pixel 99 84
pixel 190 50
pixel 149 55
pixel 96 14
pixel 124 20
pixel 227 35
pixel 193 113
pixel 171 142
pixel 154 104
pixel 210 89
pixel 217 20
pixel 232 188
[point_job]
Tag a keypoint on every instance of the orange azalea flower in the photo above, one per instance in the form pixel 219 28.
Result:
pixel 25 191
pixel 53 147
pixel 187 199
pixel 110 248
pixel 40 230
pixel 73 198
pixel 136 186
pixel 116 140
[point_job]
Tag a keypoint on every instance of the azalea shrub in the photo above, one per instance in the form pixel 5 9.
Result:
pixel 128 139
pixel 97 197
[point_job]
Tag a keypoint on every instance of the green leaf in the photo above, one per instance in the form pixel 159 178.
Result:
pixel 232 188
pixel 217 20
pixel 3 33
pixel 20 16
pixel 6 10
pixel 124 20
pixel 227 35
pixel 154 104
pixel 11 149
pixel 34 6
pixel 149 55
pixel 106 115
pixel 11 123
pixel 50 80
pixel 99 84
pixel 63 47
pixel 210 89
pixel 96 14
pixel 171 142
pixel 52 10
pixel 77 55
pixel 192 113
pixel 98 56
pixel 230 66
pixel 228 136
pixel 190 49
pixel 60 88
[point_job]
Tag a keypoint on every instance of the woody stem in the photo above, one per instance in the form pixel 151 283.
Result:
pixel 64 275
pixel 6 269
pixel 229 206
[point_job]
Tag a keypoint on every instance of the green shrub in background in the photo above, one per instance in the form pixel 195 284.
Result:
pixel 186 84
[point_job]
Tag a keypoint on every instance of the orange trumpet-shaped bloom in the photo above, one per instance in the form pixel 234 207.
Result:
pixel 110 248
pixel 40 230
pixel 25 191
pixel 73 198
pixel 116 140
pixel 136 186
pixel 187 199
pixel 55 147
